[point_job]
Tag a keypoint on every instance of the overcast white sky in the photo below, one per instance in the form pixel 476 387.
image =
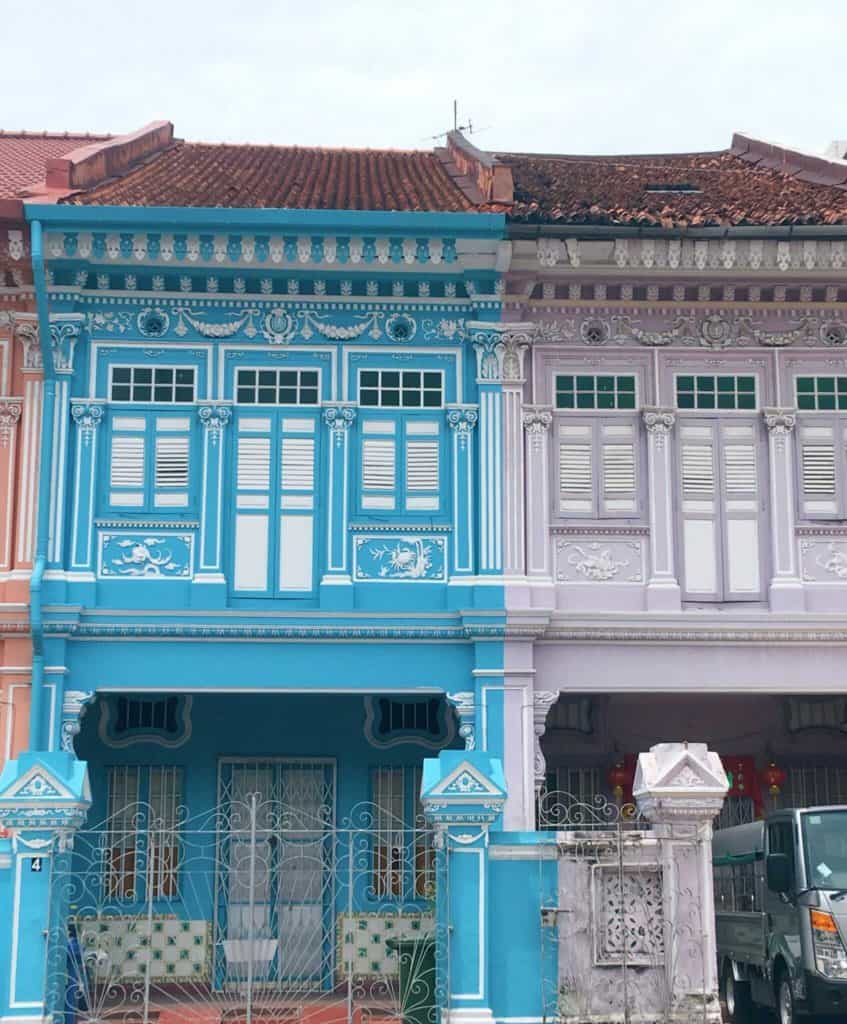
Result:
pixel 579 76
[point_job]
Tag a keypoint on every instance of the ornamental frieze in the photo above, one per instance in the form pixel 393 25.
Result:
pixel 276 324
pixel 706 330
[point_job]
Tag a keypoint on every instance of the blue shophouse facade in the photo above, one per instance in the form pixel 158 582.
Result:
pixel 268 585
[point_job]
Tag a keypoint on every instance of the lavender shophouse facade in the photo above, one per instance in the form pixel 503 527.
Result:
pixel 676 469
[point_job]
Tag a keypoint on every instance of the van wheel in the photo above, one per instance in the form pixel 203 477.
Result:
pixel 785 1000
pixel 736 997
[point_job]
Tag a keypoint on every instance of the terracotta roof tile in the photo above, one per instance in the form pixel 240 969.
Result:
pixel 202 174
pixel 23 156
pixel 723 189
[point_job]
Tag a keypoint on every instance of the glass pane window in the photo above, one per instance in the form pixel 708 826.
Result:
pixel 401 389
pixel 403 855
pixel 722 391
pixel 601 391
pixel 165 384
pixel 277 387
pixel 828 394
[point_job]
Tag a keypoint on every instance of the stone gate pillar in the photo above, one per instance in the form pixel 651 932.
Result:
pixel 43 801
pixel 680 788
pixel 463 793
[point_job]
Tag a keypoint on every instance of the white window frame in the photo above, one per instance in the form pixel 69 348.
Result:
pixel 615 410
pixel 380 388
pixel 695 411
pixel 276 370
pixel 153 367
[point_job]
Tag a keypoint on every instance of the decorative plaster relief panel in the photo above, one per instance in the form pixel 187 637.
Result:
pixel 399 558
pixel 824 559
pixel 592 559
pixel 131 554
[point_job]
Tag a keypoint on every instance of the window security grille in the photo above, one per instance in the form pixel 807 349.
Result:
pixel 142 840
pixel 401 389
pixel 609 391
pixel 277 387
pixel 165 384
pixel 403 856
pixel 722 391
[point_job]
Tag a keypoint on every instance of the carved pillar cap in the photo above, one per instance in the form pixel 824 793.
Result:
pixel 680 782
pixel 780 421
pixel 500 350
pixel 536 419
pixel 463 418
pixel 214 418
pixel 658 420
pixel 339 417
pixel 44 792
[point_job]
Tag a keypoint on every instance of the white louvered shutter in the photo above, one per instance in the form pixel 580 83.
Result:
pixel 171 461
pixel 698 476
pixel 252 503
pixel 127 463
pixel 422 466
pixel 296 504
pixel 741 482
pixel 618 455
pixel 379 465
pixel 576 469
pixel 819 458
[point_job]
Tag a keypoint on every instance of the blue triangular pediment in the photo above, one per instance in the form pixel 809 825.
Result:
pixel 37 784
pixel 466 781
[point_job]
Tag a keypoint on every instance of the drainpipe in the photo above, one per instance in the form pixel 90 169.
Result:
pixel 37 739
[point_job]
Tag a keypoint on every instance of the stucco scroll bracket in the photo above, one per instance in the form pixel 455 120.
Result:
pixel 74 707
pixel 658 422
pixel 542 701
pixel 465 704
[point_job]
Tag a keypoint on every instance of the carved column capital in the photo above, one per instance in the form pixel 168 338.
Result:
pixel 658 422
pixel 465 704
pixel 537 420
pixel 88 416
pixel 780 421
pixel 500 350
pixel 26 331
pixel 10 413
pixel 339 419
pixel 462 420
pixel 214 419
pixel 64 334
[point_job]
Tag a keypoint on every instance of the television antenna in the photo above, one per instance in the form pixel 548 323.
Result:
pixel 470 128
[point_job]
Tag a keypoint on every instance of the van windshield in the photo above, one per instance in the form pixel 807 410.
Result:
pixel 825 848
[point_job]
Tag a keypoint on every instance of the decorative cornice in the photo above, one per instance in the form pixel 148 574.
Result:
pixel 250 632
pixel 247 250
pixel 10 413
pixel 657 634
pixel 707 255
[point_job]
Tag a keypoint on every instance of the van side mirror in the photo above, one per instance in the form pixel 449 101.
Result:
pixel 778 872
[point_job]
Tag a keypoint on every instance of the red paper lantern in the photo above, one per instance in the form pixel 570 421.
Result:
pixel 774 778
pixel 618 779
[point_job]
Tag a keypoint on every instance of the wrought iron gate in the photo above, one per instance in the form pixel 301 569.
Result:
pixel 619 958
pixel 264 909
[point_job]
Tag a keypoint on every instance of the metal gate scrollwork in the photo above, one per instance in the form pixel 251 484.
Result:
pixel 263 910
